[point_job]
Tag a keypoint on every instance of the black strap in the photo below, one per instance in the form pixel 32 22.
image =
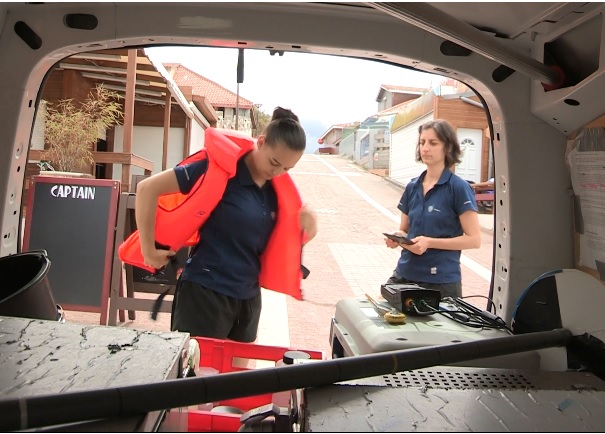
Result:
pixel 170 268
pixel 305 271
pixel 158 303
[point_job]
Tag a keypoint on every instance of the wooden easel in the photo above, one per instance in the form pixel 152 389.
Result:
pixel 134 280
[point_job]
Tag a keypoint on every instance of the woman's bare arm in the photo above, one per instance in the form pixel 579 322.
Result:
pixel 146 202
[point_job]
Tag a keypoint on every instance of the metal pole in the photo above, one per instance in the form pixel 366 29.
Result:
pixel 439 23
pixel 237 110
pixel 240 79
pixel 38 411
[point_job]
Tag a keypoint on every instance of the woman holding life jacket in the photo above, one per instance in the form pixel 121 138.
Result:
pixel 218 294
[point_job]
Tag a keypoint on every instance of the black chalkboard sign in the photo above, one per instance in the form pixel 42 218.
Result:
pixel 74 220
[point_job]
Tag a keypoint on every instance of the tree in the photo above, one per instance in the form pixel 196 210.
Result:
pixel 72 132
pixel 262 120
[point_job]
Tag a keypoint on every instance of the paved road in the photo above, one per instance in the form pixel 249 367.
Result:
pixel 348 257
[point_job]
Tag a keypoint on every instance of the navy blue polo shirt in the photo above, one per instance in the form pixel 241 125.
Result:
pixel 227 258
pixel 435 215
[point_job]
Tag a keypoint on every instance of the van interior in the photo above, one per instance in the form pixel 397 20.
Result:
pixel 538 70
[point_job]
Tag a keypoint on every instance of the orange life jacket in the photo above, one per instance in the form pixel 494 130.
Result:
pixel 179 216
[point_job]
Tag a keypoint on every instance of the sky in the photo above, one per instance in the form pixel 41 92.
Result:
pixel 322 90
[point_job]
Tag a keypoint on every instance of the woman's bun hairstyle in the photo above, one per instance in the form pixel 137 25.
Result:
pixel 283 113
pixel 285 128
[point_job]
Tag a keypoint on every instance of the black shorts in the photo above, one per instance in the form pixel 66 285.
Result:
pixel 203 312
pixel 447 289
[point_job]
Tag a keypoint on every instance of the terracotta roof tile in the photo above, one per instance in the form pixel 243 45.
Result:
pixel 215 94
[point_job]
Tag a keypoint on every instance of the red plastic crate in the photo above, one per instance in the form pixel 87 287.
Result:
pixel 221 354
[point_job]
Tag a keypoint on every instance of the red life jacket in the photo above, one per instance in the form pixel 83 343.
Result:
pixel 179 216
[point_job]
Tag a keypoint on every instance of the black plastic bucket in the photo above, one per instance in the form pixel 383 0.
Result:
pixel 24 288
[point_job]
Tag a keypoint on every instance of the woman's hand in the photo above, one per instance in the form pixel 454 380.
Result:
pixel 420 246
pixel 308 223
pixel 157 258
pixel 391 244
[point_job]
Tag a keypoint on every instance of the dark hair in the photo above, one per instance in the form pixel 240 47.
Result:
pixel 445 132
pixel 285 128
